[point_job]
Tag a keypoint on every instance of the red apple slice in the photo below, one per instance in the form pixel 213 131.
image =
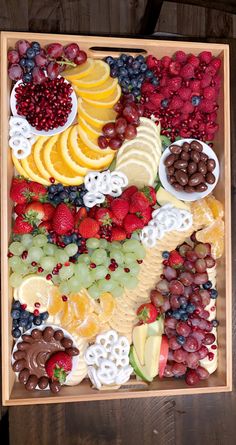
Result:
pixel 163 355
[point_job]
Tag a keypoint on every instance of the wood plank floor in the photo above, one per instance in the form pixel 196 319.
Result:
pixel 199 420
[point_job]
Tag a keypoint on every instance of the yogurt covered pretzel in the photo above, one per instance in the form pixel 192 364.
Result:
pixel 101 184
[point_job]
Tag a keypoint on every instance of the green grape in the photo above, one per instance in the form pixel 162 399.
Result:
pixel 131 245
pixel 64 288
pixel 48 262
pixel 14 262
pixel 87 280
pixel 71 249
pixel 118 274
pixel 74 284
pixel 16 248
pixel 55 279
pixel 61 256
pixel 130 258
pixel 115 245
pixel 117 291
pixel 117 255
pixel 99 272
pixel 140 253
pixel 106 285
pixel 81 270
pixel 84 258
pixel 40 240
pixel 50 249
pixel 94 291
pixel 132 282
pixel 134 269
pixel 99 256
pixel 102 243
pixel 35 253
pixel 22 268
pixel 27 240
pixel 66 272
pixel 15 279
pixel 93 243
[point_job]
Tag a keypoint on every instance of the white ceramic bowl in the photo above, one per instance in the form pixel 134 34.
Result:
pixel 57 130
pixel 183 195
pixel 75 358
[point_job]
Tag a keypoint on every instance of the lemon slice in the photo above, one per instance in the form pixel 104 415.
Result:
pixel 31 168
pixel 19 167
pixel 106 102
pixel 138 172
pixel 141 145
pixel 144 121
pixel 67 155
pixel 143 156
pixel 99 92
pixel 37 151
pixel 84 155
pixel 98 75
pixel 34 289
pixel 79 71
pixel 91 143
pixel 146 135
pixel 93 116
pixel 92 131
pixel 56 164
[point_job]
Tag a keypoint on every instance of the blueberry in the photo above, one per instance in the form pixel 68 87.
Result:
pixel 44 316
pixel 114 72
pixel 124 57
pixel 16 333
pixel 29 326
pixel 140 59
pixel 37 320
pixel 15 323
pixel 29 64
pixel 74 238
pixel 184 317
pixel 60 187
pixel 73 188
pixel 215 323
pixel 164 103
pixel 16 304
pixel 190 308
pixel 182 310
pixel 50 238
pixel 129 60
pixel 134 82
pixel 72 195
pixel 23 322
pixel 27 77
pixel 56 199
pixel 207 285
pixel 136 71
pixel 109 60
pixel 22 62
pixel 136 65
pixel 125 82
pixel 184 306
pixel 78 202
pixel 155 82
pixel 141 77
pixel 125 90
pixel 139 84
pixel 66 239
pixel 149 74
pixel 176 314
pixel 130 71
pixel 165 255
pixel 31 318
pixel 168 313
pixel 52 188
pixel 143 68
pixel 30 53
pixel 180 339
pixel 63 195
pixel 123 72
pixel 24 314
pixel 136 92
pixel 120 63
pixel 196 100
pixel 214 293
pixel 15 314
pixel 36 46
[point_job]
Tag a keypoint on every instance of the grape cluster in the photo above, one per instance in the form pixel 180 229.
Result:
pixel 23 60
pixel 58 193
pixel 131 72
pixel 22 320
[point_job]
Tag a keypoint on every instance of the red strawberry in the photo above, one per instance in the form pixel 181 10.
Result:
pixel 118 222
pixel 20 208
pixel 120 208
pixel 20 191
pixel 174 68
pixel 147 88
pixel 180 56
pixel 184 93
pixel 216 63
pixel 206 80
pixel 165 61
pixel 117 234
pixel 108 201
pixel 21 226
pixel 156 99
pixel 176 103
pixel 175 260
pixel 38 191
pixel 205 56
pixel 58 366
pixel 194 60
pixel 147 313
pixel 210 93
pixel 187 71
pixel 138 202
pixel 127 193
pixel 88 228
pixel 187 107
pixel 132 223
pixel 151 62
pixel 150 194
pixel 34 212
pixel 81 214
pixel 145 215
pixel 195 85
pixel 175 83
pixel 104 216
pixel 45 226
pixel 62 220
pixel 49 210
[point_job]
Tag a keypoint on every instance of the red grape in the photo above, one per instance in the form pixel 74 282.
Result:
pixel 15 72
pixel 183 300
pixel 189 265
pixel 191 344
pixel 53 70
pixel 170 322
pixel 129 98
pixel 176 287
pixel 209 326
pixel 163 287
pixel 169 273
pixel 170 332
pixel 118 107
pixel 174 301
pixel 188 291
pixel 203 352
pixel 209 339
pixel 22 46
pixel 191 378
pixel 115 143
pixel 41 60
pixel 195 321
pixel 183 328
pixel 186 278
pixel 130 132
pixel 38 75
pixel 198 333
pixel 183 249
pixel 130 113
pixel 71 51
pixel 202 373
pixel 200 265
pixel 140 109
pixel 205 314
pixel 192 360
pixel 120 125
pixel 180 355
pixel 195 298
pixel 166 305
pixel 201 250
pixel 102 142
pixel 109 130
pixel 156 298
pixel 168 371
pixel 179 369
pixel 13 56
pixel 191 255
pixel 170 357
pixel 173 344
pixel 202 325
pixel 200 278
pixel 55 50
pixel 80 58
pixel 210 262
pixel 205 296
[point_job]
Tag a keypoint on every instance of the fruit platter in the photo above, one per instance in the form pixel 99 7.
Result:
pixel 116 254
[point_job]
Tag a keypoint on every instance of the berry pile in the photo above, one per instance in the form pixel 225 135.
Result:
pixel 183 294
pixel 185 101
pixel 30 62
pixel 131 72
pixel 22 320
pixel 127 119
pixel 58 193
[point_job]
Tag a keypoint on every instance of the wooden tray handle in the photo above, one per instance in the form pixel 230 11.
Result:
pixel 103 51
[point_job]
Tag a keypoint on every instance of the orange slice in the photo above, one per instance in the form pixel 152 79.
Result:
pixel 107 305
pixel 215 206
pixel 99 92
pixel 202 214
pixel 79 71
pixel 67 155
pixel 81 306
pixel 107 102
pixel 93 116
pixel 92 143
pixel 37 151
pixel 56 304
pixel 90 130
pixel 98 75
pixel 32 170
pixel 90 327
pixel 67 315
pixel 19 167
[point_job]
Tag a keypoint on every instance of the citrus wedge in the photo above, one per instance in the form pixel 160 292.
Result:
pixel 92 143
pixel 55 164
pixel 67 155
pixel 90 327
pixel 108 101
pixel 147 134
pixel 92 131
pixel 138 172
pixel 79 71
pixel 99 92
pixel 84 156
pixel 145 121
pixel 37 151
pixel 93 116
pixel 19 167
pixel 56 304
pixel 32 170
pixel 142 156
pixel 107 304
pixel 35 289
pixel 99 74
pixel 141 145
pixel 81 305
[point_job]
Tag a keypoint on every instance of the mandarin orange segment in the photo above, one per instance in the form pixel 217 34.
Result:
pixel 90 327
pixel 81 306
pixel 107 305
pixel 56 304
pixel 216 206
pixel 213 234
pixel 202 214
pixel 217 249
pixel 67 315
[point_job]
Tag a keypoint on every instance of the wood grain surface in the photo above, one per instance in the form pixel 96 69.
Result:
pixel 204 420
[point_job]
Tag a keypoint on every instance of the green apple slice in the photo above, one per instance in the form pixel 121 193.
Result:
pixel 141 371
pixel 156 328
pixel 152 354
pixel 139 336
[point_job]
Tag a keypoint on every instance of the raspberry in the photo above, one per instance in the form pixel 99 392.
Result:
pixel 163 81
pixel 202 127
pixel 166 92
pixel 150 106
pixel 193 123
pixel 193 60
pixel 184 133
pixel 217 81
pixel 166 60
pixel 210 93
pixel 174 68
pixel 187 71
pixel 207 106
pixel 213 116
pixel 206 80
pixel 216 63
pixel 187 107
pixel 195 86
pixel 175 83
pixel 184 93
pixel 180 56
pixel 147 88
pixel 205 56
pixel 175 122
pixel 210 70
pixel 212 128
pixel 156 99
pixel 151 62
pixel 176 103
pixel 184 117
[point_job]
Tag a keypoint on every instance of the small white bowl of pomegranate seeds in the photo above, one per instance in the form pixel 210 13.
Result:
pixel 189 169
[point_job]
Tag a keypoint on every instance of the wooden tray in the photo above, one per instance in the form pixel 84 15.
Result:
pixel 14 393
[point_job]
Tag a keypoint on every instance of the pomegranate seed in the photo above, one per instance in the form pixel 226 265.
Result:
pixel 67 263
pixel 10 254
pixel 24 255
pixel 40 269
pixel 23 306
pixel 112 267
pixel 59 266
pixel 211 356
pixel 213 347
pixel 113 261
pixel 126 269
pixel 37 305
pixel 64 298
pixel 108 276
pixel 165 262
pixel 55 271
pixel 49 276
pixel 93 265
pixel 52 180
pixel 33 263
pixel 36 312
pixel 139 261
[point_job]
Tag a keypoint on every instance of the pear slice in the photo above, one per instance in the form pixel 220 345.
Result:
pixel 139 335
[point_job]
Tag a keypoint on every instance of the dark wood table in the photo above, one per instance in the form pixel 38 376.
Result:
pixel 199 420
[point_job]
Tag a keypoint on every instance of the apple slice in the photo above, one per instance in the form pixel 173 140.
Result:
pixel 152 354
pixel 141 371
pixel 161 364
pixel 139 335
pixel 156 327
